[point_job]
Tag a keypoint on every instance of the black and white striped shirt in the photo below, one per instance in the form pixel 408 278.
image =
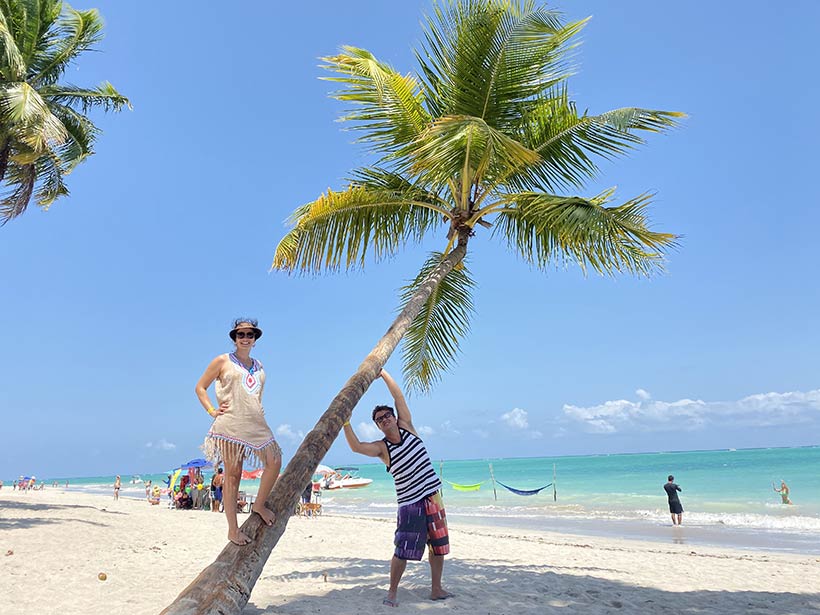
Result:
pixel 411 468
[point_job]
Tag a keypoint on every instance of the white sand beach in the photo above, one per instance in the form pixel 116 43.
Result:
pixel 53 545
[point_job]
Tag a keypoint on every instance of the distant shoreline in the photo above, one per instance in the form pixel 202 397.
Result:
pixel 363 463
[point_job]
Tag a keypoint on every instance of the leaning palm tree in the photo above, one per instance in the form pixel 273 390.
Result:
pixel 484 139
pixel 44 129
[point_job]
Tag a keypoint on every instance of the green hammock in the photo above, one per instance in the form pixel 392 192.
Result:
pixel 458 487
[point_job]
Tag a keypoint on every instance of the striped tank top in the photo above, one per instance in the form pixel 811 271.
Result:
pixel 411 469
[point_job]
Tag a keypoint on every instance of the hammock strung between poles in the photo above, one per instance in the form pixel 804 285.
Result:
pixel 458 487
pixel 523 491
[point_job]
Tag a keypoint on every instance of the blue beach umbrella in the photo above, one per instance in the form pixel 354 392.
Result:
pixel 197 463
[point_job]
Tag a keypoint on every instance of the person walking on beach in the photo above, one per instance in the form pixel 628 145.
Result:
pixel 421 516
pixel 783 491
pixel 117 486
pixel 239 431
pixel 675 507
pixel 216 490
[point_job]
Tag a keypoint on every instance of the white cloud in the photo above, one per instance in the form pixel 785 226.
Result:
pixel 426 430
pixel 286 431
pixel 447 427
pixel 643 394
pixel 647 415
pixel 368 431
pixel 162 445
pixel 516 418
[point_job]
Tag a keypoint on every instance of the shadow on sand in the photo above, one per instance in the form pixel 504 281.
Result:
pixel 41 512
pixel 515 590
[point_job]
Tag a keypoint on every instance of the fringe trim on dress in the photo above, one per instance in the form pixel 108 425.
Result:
pixel 219 449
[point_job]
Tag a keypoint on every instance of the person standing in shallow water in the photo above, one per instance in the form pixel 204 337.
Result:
pixel 783 491
pixel 239 431
pixel 675 507
pixel 421 516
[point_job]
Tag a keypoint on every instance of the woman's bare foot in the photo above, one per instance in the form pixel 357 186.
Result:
pixel 442 595
pixel 239 538
pixel 263 511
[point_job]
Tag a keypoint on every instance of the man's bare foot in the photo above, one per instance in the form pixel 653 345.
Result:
pixel 441 595
pixel 266 513
pixel 239 538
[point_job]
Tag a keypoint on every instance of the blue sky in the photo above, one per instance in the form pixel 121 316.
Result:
pixel 116 299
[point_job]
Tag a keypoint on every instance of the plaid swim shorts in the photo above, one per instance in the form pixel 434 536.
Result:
pixel 420 523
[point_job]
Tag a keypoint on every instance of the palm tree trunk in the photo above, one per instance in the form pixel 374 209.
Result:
pixel 225 586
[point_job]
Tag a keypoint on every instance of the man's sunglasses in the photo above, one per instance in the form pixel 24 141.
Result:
pixel 242 335
pixel 382 418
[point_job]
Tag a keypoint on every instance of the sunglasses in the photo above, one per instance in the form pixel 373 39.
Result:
pixel 242 335
pixel 382 418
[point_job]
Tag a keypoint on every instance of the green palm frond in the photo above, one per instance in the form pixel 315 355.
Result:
pixel 104 96
pixel 467 148
pixel 432 340
pixel 50 184
pixel 338 229
pixel 388 107
pixel 482 57
pixel 25 22
pixel 75 32
pixel 380 178
pixel 24 111
pixel 81 135
pixel 12 63
pixel 565 140
pixel 43 126
pixel 547 229
pixel 20 180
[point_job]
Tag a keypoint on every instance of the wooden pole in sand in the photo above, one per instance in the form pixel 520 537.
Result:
pixel 441 475
pixel 495 494
pixel 554 489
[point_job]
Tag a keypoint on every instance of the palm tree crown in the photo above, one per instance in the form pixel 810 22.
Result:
pixel 44 130
pixel 485 135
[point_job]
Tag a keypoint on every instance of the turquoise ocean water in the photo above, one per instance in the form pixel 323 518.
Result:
pixel 727 495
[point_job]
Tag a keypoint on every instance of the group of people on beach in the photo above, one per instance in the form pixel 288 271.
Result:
pixel 239 433
pixel 26 484
pixel 193 494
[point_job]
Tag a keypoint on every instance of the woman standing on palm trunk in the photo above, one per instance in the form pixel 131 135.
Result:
pixel 239 430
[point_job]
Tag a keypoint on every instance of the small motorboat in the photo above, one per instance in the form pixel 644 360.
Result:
pixel 345 478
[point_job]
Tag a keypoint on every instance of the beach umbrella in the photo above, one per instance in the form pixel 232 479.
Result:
pixel 197 463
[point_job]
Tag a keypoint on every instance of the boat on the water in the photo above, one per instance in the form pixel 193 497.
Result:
pixel 345 478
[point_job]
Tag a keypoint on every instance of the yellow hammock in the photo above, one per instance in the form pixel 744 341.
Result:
pixel 458 487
